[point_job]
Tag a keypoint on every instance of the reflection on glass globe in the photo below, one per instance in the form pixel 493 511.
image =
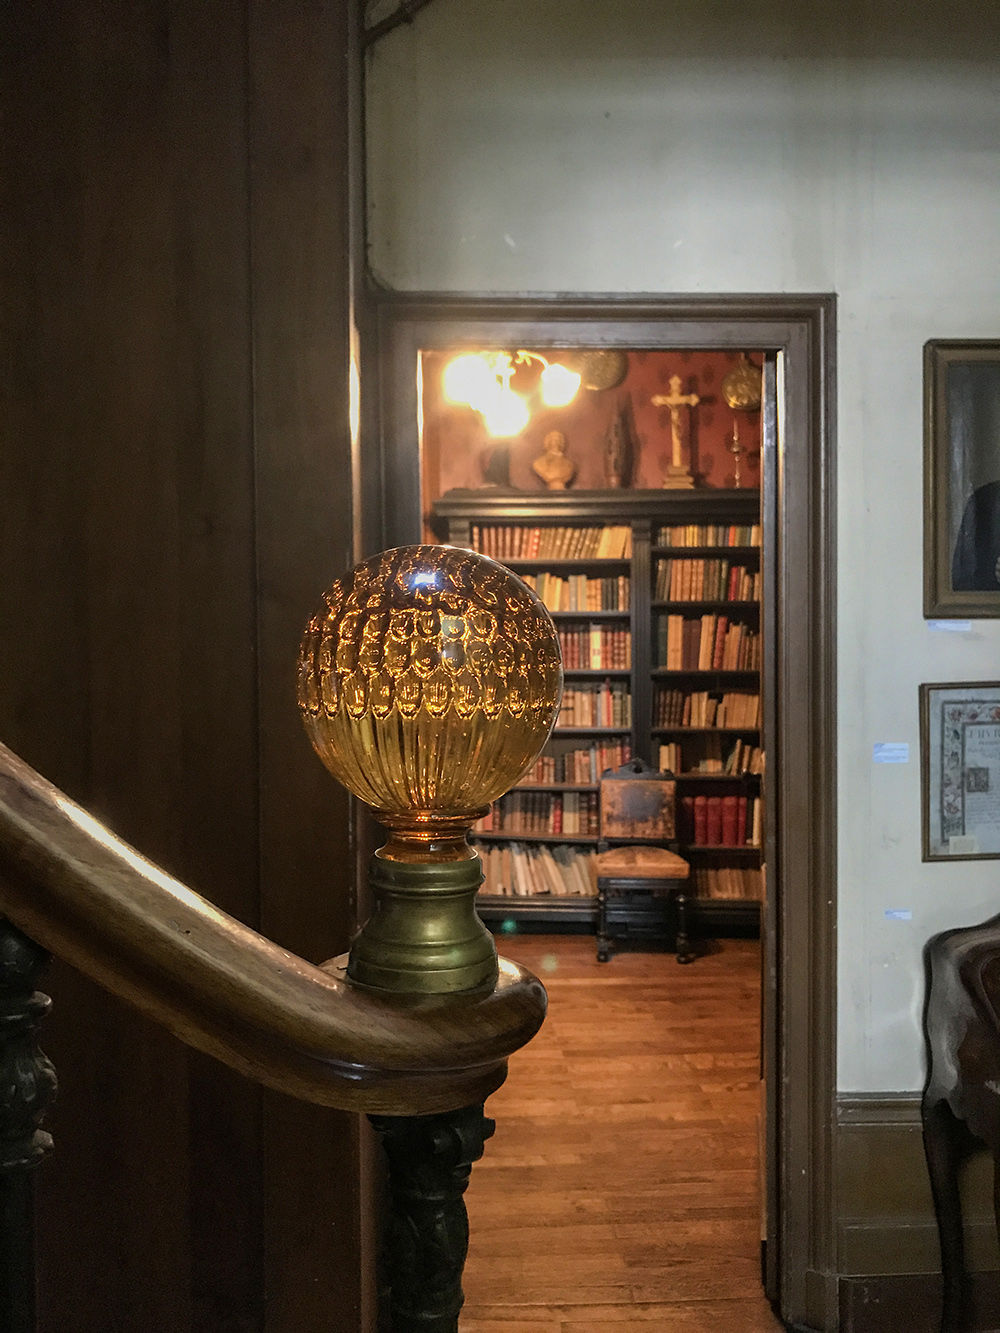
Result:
pixel 428 681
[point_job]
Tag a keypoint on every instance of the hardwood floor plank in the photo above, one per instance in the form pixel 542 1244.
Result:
pixel 689 1316
pixel 621 1186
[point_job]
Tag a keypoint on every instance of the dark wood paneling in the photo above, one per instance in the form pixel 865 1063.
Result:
pixel 301 255
pixel 133 414
pixel 141 660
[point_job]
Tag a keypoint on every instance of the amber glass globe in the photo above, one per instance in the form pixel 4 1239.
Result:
pixel 429 679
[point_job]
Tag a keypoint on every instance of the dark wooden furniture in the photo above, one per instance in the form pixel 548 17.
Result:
pixel 961 1102
pixel 640 886
pixel 460 517
pixel 645 907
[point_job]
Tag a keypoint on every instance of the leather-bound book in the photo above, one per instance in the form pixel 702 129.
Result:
pixel 730 819
pixel 719 648
pixel 701 821
pixel 713 822
pixel 741 822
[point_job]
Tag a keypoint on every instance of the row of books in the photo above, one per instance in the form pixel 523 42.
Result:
pixel 519 870
pixel 608 704
pixel 721 821
pixel 542 812
pixel 709 534
pixel 699 755
pixel 519 542
pixel 578 592
pixel 595 647
pixel 705 581
pixel 745 882
pixel 582 765
pixel 705 708
pixel 709 643
pixel 745 758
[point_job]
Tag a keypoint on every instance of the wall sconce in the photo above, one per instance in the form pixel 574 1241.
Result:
pixel 481 380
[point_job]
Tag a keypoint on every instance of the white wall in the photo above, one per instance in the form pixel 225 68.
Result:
pixel 662 146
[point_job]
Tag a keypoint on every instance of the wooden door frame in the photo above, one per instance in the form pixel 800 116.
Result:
pixel 799 640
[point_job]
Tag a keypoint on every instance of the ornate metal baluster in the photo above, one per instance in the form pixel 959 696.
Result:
pixel 427 1230
pixel 27 1086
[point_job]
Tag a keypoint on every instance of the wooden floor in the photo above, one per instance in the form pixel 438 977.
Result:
pixel 620 1189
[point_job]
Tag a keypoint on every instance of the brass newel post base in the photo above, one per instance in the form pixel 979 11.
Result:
pixel 427 1231
pixel 424 936
pixel 27 1086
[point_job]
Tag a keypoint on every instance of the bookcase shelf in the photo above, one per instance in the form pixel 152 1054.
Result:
pixel 592 731
pixel 581 564
pixel 734 553
pixel 707 731
pixel 509 914
pixel 595 673
pixel 743 608
pixel 469 518
pixel 512 913
pixel 705 673
pixel 537 837
pixel 556 786
pixel 704 848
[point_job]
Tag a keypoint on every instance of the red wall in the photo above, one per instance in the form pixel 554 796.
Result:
pixel 455 442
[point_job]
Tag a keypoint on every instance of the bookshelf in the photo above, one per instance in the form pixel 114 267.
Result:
pixel 656 599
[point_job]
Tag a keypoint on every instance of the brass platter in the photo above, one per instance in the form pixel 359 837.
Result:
pixel 741 387
pixel 599 368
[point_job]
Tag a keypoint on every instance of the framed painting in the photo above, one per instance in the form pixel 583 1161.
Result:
pixel 960 771
pixel 961 479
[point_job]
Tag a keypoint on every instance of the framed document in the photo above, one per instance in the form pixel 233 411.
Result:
pixel 960 771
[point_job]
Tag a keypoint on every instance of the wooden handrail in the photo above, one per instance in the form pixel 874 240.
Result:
pixel 92 900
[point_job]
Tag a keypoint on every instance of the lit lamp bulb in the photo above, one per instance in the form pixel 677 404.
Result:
pixel 559 385
pixel 505 413
pixel 429 679
pixel 468 380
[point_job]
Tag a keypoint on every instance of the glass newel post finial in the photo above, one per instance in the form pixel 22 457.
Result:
pixel 429 679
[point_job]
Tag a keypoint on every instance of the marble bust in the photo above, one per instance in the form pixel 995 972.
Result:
pixel 554 468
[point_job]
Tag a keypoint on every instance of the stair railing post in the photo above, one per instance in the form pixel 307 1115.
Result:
pixel 27 1087
pixel 426 1236
pixel 429 679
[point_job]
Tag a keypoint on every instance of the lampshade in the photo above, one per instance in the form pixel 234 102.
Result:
pixel 429 679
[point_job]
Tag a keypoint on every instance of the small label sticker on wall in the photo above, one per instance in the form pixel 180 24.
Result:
pixel 891 752
pixel 950 626
pixel 898 914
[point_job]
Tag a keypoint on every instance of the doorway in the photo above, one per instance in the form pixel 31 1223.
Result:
pixel 797 636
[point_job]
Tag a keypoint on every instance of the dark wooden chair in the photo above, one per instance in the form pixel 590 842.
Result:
pixel 640 878
pixel 961 1102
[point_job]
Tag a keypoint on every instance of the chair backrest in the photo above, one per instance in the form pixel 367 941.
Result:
pixel 638 803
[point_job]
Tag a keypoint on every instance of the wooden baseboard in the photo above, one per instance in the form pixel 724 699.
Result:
pixel 911 1303
pixel 885 1216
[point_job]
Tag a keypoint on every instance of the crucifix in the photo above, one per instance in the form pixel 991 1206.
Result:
pixel 678 476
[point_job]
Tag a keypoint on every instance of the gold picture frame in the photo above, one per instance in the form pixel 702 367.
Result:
pixel 961 479
pixel 960 771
